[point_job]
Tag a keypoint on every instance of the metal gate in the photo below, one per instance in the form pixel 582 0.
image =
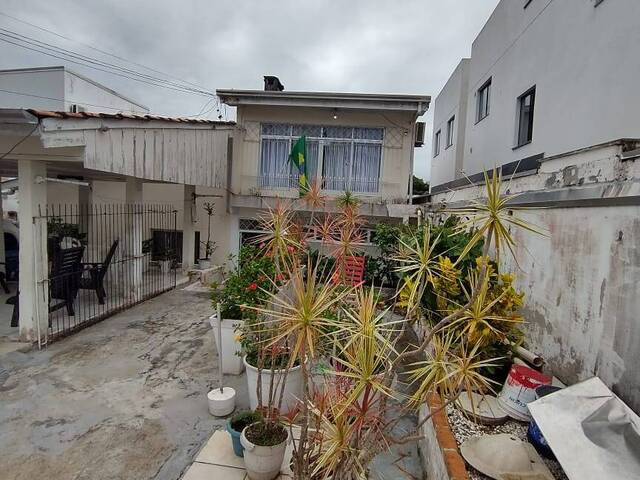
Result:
pixel 103 259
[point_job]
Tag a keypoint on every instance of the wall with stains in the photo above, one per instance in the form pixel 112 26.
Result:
pixel 582 279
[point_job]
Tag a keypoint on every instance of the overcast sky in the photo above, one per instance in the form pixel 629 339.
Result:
pixel 392 46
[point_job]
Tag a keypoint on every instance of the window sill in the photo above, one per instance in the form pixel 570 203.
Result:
pixel 478 121
pixel 521 145
pixel 448 147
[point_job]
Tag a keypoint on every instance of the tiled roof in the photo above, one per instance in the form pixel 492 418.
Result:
pixel 123 116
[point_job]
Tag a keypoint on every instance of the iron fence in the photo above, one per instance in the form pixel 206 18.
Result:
pixel 104 258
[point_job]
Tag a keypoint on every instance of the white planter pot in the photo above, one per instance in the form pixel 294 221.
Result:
pixel 262 463
pixel 231 348
pixel 204 264
pixel 292 388
pixel 165 266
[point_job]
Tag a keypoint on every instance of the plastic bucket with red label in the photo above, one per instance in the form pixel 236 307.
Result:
pixel 519 389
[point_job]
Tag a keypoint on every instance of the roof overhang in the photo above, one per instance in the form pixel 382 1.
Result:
pixel 417 104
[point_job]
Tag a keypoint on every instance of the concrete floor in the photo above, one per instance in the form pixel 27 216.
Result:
pixel 124 399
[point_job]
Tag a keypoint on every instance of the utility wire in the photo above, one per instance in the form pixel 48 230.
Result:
pixel 19 142
pixel 103 70
pixel 58 50
pixel 60 100
pixel 104 52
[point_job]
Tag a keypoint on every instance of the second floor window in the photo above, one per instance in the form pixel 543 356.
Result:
pixel 526 104
pixel 436 143
pixel 345 158
pixel 450 127
pixel 483 96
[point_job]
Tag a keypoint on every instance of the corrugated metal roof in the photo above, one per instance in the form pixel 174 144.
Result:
pixel 123 116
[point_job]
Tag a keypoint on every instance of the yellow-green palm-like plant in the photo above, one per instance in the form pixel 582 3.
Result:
pixel 365 348
pixel 418 263
pixel 492 216
pixel 280 240
pixel 479 322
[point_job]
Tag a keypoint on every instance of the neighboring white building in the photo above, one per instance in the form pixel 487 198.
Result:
pixel 60 89
pixel 544 78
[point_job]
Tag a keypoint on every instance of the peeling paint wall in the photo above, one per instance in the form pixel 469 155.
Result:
pixel 582 280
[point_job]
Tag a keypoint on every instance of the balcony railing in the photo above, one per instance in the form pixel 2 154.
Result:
pixel 332 184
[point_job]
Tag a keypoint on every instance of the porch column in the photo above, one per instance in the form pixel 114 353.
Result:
pixel 189 219
pixel 2 254
pixel 134 236
pixel 33 261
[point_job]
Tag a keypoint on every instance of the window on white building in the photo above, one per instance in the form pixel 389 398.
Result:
pixel 347 158
pixel 436 143
pixel 526 104
pixel 450 127
pixel 483 98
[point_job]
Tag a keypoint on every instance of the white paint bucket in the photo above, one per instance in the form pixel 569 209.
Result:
pixel 519 389
pixel 221 403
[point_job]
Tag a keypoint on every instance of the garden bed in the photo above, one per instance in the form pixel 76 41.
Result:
pixel 463 428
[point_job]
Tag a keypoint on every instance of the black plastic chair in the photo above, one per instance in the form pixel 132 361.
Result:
pixel 97 272
pixel 64 283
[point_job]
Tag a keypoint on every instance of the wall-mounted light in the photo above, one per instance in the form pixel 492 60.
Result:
pixel 335 113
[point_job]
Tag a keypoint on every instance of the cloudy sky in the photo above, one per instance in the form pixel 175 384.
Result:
pixel 391 46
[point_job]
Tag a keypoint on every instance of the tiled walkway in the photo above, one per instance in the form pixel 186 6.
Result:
pixel 217 461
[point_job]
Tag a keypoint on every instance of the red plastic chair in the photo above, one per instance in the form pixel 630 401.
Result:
pixel 349 271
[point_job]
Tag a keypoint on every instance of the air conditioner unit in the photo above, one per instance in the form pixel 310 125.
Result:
pixel 420 128
pixel 75 108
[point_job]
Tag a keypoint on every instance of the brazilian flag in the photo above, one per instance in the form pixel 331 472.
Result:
pixel 298 157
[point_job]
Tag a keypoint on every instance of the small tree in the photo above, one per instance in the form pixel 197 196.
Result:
pixel 209 245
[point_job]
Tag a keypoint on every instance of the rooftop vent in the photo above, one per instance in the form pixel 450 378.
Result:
pixel 272 84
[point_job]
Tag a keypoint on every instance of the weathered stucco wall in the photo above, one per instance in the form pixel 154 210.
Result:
pixel 581 280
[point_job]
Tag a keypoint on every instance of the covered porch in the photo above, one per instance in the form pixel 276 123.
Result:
pixel 105 213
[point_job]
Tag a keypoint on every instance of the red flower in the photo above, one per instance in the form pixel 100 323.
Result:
pixel 252 286
pixel 291 249
pixel 261 246
pixel 279 277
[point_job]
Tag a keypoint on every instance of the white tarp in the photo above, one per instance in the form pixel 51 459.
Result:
pixel 593 433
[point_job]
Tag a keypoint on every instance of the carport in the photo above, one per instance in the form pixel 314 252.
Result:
pixel 85 258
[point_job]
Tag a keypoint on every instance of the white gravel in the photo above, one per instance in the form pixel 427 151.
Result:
pixel 463 428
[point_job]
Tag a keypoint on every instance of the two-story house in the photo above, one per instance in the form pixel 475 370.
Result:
pixel 362 143
pixel 545 78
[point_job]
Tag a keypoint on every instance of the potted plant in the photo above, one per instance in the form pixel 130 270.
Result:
pixel 244 286
pixel 209 245
pixel 165 260
pixel 236 424
pixel 264 445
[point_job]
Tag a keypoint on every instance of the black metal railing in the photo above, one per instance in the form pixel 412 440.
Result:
pixel 104 258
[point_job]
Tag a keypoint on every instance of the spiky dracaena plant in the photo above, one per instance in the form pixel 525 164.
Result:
pixel 301 320
pixel 281 239
pixel 491 217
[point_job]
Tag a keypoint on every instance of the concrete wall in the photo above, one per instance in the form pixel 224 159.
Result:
pixel 34 84
pixel 581 60
pixel 446 165
pixel 396 155
pixel 56 88
pixel 94 97
pixel 582 294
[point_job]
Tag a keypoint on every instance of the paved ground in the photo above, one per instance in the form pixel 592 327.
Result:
pixel 124 399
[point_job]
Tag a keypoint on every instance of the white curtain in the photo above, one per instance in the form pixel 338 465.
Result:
pixel 313 149
pixel 365 171
pixel 275 169
pixel 335 165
